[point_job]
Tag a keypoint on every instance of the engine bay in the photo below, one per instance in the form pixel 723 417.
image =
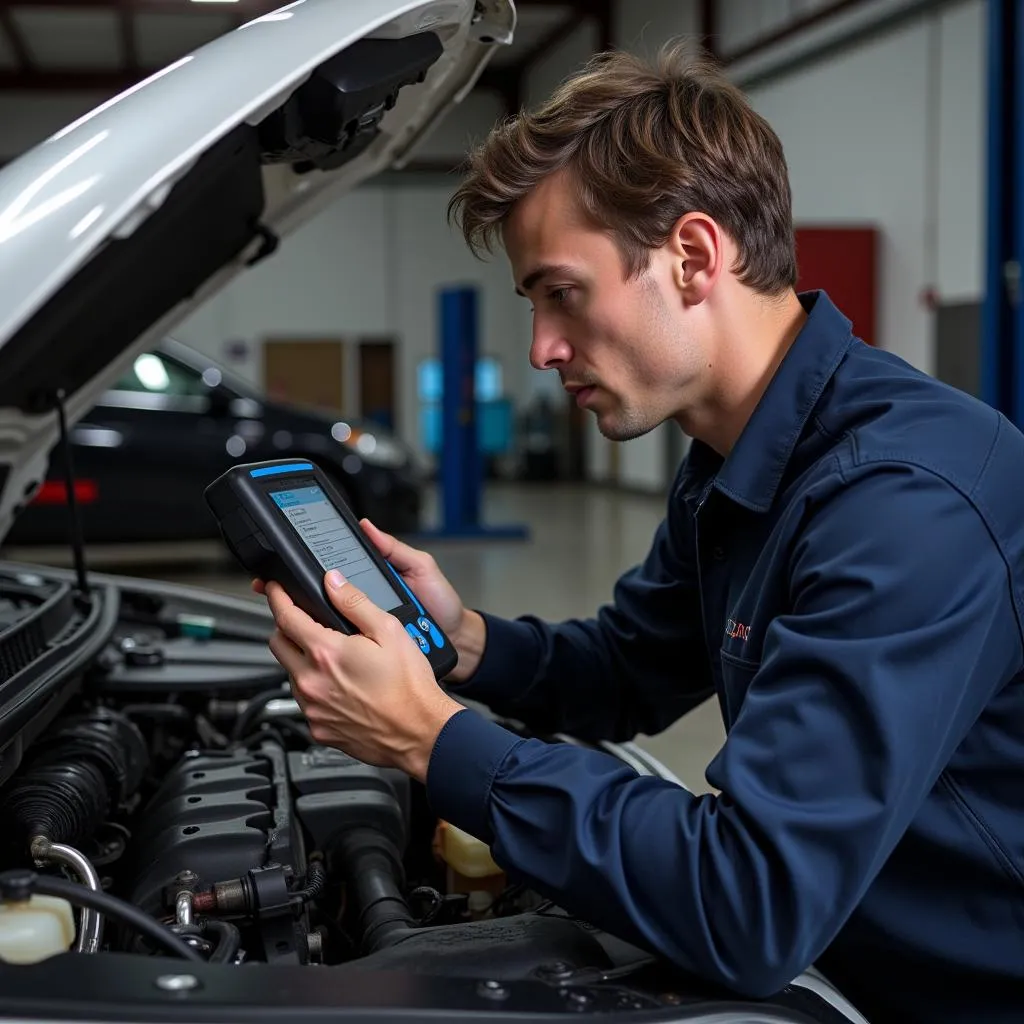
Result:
pixel 221 819
pixel 179 777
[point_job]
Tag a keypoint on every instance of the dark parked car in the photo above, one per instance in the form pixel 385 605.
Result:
pixel 176 420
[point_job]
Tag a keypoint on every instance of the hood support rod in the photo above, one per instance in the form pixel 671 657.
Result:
pixel 75 522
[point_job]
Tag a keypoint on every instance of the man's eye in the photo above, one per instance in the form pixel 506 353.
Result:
pixel 559 294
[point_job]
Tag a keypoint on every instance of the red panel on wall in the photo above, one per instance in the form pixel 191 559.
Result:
pixel 842 261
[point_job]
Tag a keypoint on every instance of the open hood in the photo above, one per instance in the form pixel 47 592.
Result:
pixel 118 226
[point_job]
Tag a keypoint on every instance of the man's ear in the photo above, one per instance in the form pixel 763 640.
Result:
pixel 696 246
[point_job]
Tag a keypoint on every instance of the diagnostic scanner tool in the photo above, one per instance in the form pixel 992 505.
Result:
pixel 284 521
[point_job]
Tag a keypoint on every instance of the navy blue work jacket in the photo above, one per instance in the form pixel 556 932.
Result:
pixel 849 582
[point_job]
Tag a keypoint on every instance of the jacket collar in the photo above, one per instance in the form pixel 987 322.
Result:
pixel 751 473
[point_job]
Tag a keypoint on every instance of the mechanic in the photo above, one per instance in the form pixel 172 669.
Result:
pixel 841 563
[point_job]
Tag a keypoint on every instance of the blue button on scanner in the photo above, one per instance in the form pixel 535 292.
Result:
pixel 418 637
pixel 428 627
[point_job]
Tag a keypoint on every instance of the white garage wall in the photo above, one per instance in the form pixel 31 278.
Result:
pixel 888 133
pixel 914 101
pixel 373 264
pixel 855 137
pixel 327 280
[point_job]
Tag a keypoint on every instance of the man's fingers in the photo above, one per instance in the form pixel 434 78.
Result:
pixel 292 620
pixel 289 656
pixel 371 620
pixel 400 555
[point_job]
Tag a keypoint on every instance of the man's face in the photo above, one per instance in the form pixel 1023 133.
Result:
pixel 619 345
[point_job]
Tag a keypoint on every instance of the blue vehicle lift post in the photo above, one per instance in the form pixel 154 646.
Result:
pixel 1002 337
pixel 461 464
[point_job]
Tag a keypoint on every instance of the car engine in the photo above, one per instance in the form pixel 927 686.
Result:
pixel 221 819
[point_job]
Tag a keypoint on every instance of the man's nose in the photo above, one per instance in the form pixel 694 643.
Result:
pixel 550 349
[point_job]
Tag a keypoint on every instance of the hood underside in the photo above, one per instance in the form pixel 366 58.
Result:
pixel 118 226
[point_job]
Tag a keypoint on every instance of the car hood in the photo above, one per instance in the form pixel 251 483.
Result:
pixel 115 228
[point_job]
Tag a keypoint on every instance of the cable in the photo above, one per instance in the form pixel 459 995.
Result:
pixel 316 883
pixel 19 885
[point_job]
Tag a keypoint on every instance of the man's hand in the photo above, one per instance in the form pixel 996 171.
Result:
pixel 372 694
pixel 463 627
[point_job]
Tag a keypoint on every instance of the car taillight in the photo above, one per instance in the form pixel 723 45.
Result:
pixel 53 492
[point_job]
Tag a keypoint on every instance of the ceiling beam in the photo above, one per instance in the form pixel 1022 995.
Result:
pixel 18 44
pixel 129 47
pixel 790 29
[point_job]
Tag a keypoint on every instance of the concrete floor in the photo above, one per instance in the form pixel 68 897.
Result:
pixel 580 539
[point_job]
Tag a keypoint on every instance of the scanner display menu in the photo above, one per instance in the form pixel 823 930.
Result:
pixel 333 544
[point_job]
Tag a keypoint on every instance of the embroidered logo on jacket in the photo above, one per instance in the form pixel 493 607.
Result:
pixel 736 630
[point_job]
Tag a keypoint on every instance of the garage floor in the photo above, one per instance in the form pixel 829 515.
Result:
pixel 581 538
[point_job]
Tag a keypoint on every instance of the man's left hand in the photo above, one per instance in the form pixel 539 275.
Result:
pixel 372 694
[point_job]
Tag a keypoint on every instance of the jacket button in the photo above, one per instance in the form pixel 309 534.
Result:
pixel 718 553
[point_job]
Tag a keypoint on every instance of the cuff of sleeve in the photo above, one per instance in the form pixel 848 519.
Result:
pixel 509 660
pixel 466 755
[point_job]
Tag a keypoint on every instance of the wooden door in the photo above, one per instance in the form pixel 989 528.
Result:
pixel 306 371
pixel 377 382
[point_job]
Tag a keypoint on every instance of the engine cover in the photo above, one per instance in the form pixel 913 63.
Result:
pixel 217 815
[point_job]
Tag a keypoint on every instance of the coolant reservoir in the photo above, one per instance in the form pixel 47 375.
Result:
pixel 32 930
pixel 471 869
pixel 466 854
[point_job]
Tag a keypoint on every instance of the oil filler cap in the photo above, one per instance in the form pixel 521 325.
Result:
pixel 138 653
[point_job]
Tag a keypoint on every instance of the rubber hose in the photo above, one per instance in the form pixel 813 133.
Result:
pixel 373 870
pixel 229 939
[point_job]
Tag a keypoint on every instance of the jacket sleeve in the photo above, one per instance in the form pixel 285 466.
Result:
pixel 637 666
pixel 866 687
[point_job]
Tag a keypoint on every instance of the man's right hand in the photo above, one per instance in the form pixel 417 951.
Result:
pixel 465 628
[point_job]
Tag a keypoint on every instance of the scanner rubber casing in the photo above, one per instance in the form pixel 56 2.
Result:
pixel 268 546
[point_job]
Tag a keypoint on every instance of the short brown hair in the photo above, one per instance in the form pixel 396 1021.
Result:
pixel 645 142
